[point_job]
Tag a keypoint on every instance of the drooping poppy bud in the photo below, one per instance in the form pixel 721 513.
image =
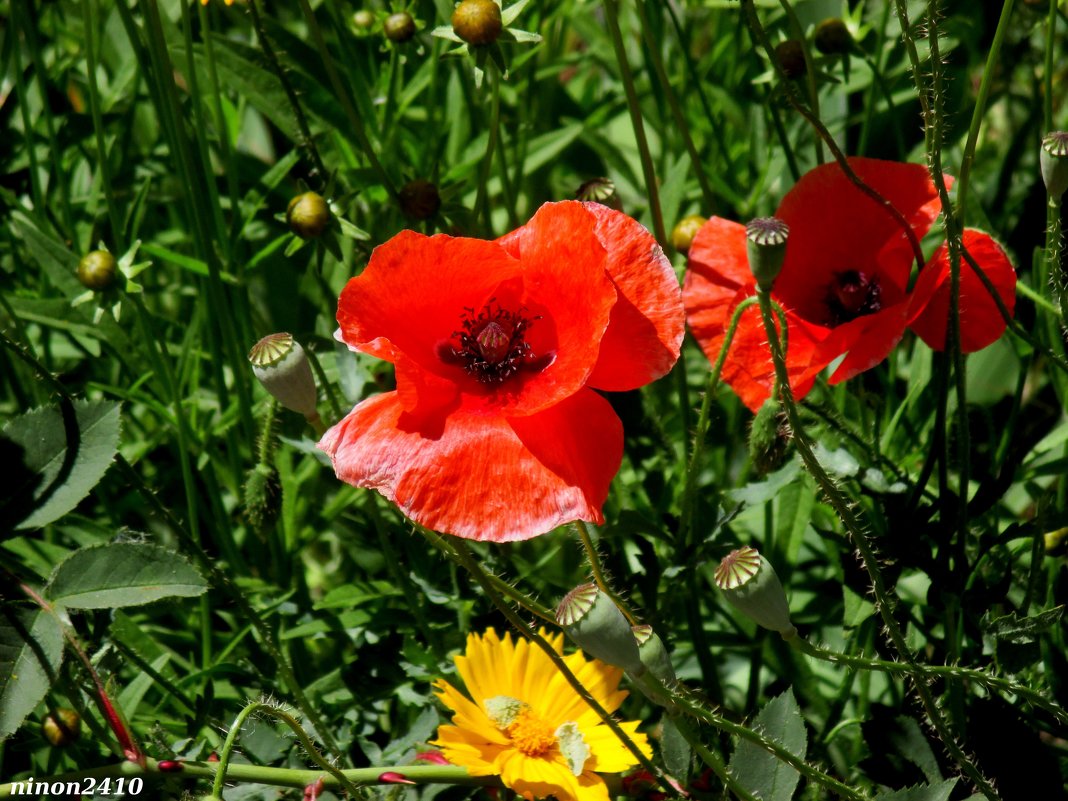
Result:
pixel 685 230
pixel 477 22
pixel 399 28
pixel 750 585
pixel 1053 159
pixel 769 438
pixel 97 270
pixel 308 215
pixel 593 621
pixel 766 246
pixel 281 365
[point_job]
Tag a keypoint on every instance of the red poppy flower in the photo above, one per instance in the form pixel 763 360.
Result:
pixel 494 431
pixel 844 283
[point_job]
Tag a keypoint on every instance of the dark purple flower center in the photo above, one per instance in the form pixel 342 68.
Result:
pixel 853 294
pixel 492 346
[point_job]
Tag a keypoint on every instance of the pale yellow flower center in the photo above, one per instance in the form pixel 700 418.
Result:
pixel 530 734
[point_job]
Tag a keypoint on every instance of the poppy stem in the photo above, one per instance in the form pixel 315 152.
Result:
pixel 583 529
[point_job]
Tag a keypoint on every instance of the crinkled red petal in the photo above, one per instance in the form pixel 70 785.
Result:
pixel 835 227
pixel 865 341
pixel 477 474
pixel 647 324
pixel 981 322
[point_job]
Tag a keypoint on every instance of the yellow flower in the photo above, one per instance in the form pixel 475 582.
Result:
pixel 205 2
pixel 525 723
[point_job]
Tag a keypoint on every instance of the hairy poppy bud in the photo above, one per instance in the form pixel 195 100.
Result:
pixel 281 365
pixel 750 584
pixel 477 22
pixel 263 496
pixel 596 625
pixel 399 27
pixel 62 727
pixel 419 199
pixel 791 57
pixel 1053 159
pixel 766 245
pixel 685 230
pixel 97 270
pixel 308 215
pixel 769 438
pixel 363 19
pixel 832 37
pixel 653 654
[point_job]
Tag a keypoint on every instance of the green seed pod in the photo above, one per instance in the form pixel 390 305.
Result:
pixel 363 19
pixel 791 57
pixel 281 365
pixel 685 230
pixel 1053 159
pixel 750 584
pixel 599 190
pixel 399 28
pixel 62 727
pixel 97 270
pixel 832 37
pixel 419 199
pixel 769 438
pixel 766 246
pixel 477 22
pixel 308 215
pixel 653 654
pixel 593 621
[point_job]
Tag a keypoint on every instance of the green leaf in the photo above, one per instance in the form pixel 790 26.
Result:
pixel 760 772
pixel 122 574
pixel 57 455
pixel 921 792
pixel 31 650
pixel 1015 629
pixel 676 752
pixel 857 608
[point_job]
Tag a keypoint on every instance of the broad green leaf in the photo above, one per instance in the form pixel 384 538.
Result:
pixel 57 455
pixel 676 752
pixel 123 574
pixel 762 773
pixel 921 792
pixel 857 608
pixel 31 650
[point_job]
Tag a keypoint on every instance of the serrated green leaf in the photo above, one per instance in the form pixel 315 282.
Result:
pixel 921 792
pixel 760 772
pixel 1011 628
pixel 58 454
pixel 122 574
pixel 31 651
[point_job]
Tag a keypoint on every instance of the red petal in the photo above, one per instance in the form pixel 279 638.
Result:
pixel 981 322
pixel 565 283
pixel 865 341
pixel 647 324
pixel 835 227
pixel 477 474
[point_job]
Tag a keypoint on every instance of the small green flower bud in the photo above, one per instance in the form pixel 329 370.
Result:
pixel 399 28
pixel 769 438
pixel 281 365
pixel 685 230
pixel 791 57
pixel 766 245
pixel 832 37
pixel 308 215
pixel 599 190
pixel 263 497
pixel 1056 542
pixel 1053 159
pixel 593 621
pixel 419 199
pixel 477 22
pixel 749 582
pixel 653 654
pixel 62 727
pixel 363 19
pixel 97 270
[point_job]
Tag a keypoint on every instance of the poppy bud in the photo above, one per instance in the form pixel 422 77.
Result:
pixel 1056 542
pixel 791 57
pixel 769 438
pixel 62 727
pixel 308 215
pixel 477 22
pixel 596 625
pixel 363 19
pixel 751 586
pixel 1053 159
pixel 653 654
pixel 766 245
pixel 281 366
pixel 263 497
pixel 97 270
pixel 832 37
pixel 419 199
pixel 399 28
pixel 685 230
pixel 599 190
